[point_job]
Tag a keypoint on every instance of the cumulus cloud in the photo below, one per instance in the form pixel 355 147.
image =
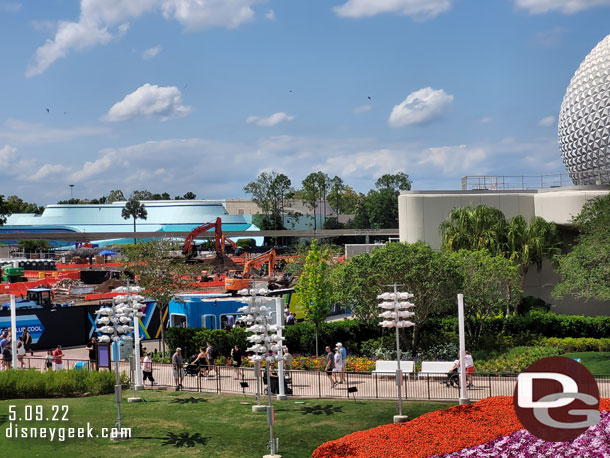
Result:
pixel 562 6
pixel 102 20
pixel 21 132
pixel 452 159
pixel 269 121
pixel 418 9
pixel 547 121
pixel 7 153
pixel 420 107
pixel 149 101
pixel 362 109
pixel 151 52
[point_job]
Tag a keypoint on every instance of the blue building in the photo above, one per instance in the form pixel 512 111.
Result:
pixel 163 216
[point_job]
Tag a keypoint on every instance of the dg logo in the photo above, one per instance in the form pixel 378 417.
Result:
pixel 556 399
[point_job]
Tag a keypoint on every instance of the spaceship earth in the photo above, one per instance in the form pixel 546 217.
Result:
pixel 584 119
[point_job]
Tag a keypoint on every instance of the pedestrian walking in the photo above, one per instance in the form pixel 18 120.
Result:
pixel 178 368
pixel 330 364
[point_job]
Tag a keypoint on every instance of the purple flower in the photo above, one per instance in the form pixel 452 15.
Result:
pixel 593 443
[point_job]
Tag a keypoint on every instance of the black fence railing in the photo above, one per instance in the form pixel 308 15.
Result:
pixel 316 384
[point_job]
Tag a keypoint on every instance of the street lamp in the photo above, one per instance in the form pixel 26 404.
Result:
pixel 114 323
pixel 71 194
pixel 395 311
pixel 265 340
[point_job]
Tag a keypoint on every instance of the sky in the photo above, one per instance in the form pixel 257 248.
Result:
pixel 203 95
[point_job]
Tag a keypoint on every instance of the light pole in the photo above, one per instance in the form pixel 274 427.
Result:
pixel 395 306
pixel 115 326
pixel 266 338
pixel 71 193
pixel 463 396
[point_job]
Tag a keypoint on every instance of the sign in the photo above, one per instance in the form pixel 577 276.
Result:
pixel 556 399
pixel 31 322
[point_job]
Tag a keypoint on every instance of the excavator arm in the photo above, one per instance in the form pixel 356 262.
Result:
pixel 190 239
pixel 268 256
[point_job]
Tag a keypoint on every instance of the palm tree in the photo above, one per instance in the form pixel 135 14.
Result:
pixel 474 228
pixel 528 244
pixel 134 209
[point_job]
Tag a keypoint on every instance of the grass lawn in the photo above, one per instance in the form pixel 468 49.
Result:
pixel 192 424
pixel 597 362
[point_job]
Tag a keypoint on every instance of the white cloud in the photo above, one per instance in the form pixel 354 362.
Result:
pixel 418 9
pixel 562 6
pixel 269 121
pixel 48 170
pixel 547 121
pixel 420 107
pixel 486 120
pixel 151 52
pixel 150 101
pixel 551 37
pixel 7 154
pixel 452 159
pixel 21 132
pixel 99 18
pixel 362 109
pixel 10 7
pixel 270 15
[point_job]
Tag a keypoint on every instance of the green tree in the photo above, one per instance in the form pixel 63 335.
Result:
pixel 16 204
pixel 116 195
pixel 490 285
pixel 314 287
pixel 313 193
pixel 270 191
pixel 5 211
pixel 394 182
pixel 428 274
pixel 585 271
pixel 474 228
pixel 34 246
pixel 189 196
pixel 160 274
pixel 528 244
pixel 136 210
pixel 382 209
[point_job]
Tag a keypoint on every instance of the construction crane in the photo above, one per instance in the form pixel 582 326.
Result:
pixel 236 280
pixel 189 243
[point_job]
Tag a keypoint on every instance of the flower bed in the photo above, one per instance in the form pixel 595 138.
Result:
pixel 487 428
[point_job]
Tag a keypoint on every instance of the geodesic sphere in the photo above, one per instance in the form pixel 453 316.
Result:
pixel 584 120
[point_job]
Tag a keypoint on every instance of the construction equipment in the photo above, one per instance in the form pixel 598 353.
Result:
pixel 236 280
pixel 189 244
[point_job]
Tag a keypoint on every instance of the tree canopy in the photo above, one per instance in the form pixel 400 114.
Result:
pixel 585 270
pixel 136 210
pixel 314 287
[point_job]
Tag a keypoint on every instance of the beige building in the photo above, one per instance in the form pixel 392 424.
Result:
pixel 421 212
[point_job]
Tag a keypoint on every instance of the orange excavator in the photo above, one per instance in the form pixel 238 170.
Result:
pixel 236 280
pixel 189 244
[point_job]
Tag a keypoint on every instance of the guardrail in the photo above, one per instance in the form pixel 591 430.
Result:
pixel 316 384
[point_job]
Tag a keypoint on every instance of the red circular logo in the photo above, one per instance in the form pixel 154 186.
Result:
pixel 556 399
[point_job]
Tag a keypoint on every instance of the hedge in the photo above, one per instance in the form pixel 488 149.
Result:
pixel 499 333
pixel 32 383
pixel 572 345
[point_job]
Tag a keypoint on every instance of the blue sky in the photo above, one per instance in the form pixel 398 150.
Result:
pixel 202 95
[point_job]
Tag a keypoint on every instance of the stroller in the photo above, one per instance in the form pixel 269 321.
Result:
pixel 192 369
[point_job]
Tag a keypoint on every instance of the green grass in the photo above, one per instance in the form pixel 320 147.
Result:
pixel 597 362
pixel 202 425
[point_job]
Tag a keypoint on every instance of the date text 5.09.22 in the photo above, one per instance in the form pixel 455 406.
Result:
pixel 38 413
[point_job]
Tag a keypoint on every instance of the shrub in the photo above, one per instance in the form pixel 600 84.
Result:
pixel 571 344
pixel 515 360
pixel 32 383
pixel 443 352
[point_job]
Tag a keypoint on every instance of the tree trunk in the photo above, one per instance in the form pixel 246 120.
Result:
pixel 162 324
pixel 524 269
pixel 317 352
pixel 415 339
pixel 134 231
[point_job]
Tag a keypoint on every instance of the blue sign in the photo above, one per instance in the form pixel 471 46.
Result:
pixel 31 322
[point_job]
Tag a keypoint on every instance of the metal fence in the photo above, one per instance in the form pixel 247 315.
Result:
pixel 315 384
